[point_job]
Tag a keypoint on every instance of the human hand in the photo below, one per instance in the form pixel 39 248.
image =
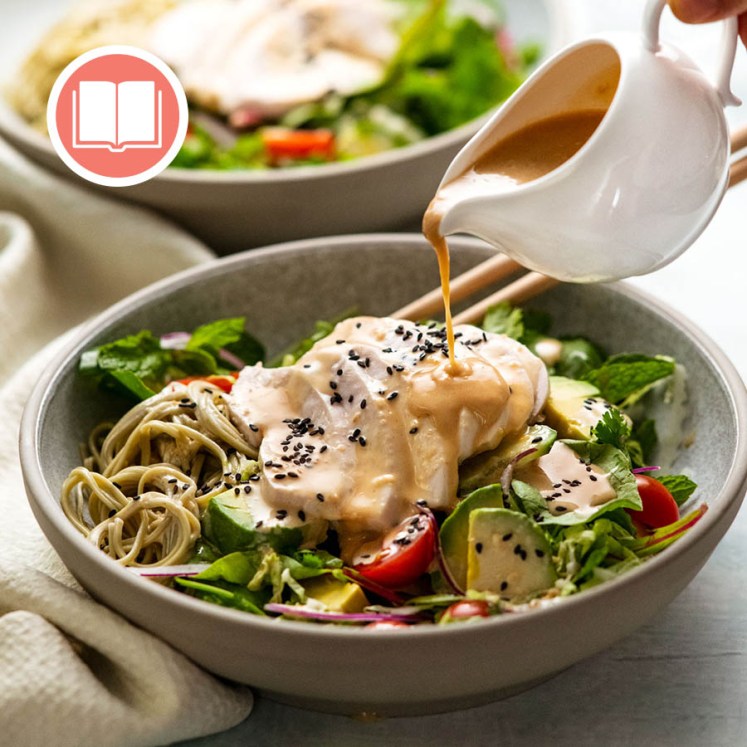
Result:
pixel 703 11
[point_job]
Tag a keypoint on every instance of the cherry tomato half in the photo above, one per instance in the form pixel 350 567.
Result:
pixel 659 507
pixel 284 144
pixel 225 383
pixel 405 555
pixel 468 608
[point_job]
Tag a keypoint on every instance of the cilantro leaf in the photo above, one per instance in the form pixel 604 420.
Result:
pixel 612 429
pixel 623 379
pixel 680 486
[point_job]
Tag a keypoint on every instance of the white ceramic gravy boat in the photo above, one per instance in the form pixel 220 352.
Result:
pixel 642 187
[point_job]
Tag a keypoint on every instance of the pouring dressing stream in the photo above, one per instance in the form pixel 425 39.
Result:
pixel 608 162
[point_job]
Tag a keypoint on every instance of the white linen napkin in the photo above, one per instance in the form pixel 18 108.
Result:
pixel 73 672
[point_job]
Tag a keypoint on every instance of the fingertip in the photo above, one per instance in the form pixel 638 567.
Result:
pixel 696 11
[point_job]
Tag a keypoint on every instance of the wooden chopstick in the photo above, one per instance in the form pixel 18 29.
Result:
pixel 486 273
pixel 530 285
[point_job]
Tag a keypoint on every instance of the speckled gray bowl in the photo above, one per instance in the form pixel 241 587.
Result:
pixel 282 290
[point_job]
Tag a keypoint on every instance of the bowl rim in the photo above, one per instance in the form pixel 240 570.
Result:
pixel 44 501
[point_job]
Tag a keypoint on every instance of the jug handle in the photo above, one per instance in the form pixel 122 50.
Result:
pixel 651 21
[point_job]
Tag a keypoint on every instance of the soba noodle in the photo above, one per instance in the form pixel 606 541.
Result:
pixel 146 480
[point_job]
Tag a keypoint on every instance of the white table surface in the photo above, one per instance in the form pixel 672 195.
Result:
pixel 682 679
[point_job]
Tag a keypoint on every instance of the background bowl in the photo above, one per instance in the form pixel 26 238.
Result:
pixel 237 210
pixel 282 290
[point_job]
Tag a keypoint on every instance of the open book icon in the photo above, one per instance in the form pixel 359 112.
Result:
pixel 117 116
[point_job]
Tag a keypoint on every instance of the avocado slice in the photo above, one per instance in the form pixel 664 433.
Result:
pixel 487 468
pixel 336 595
pixel 573 407
pixel 508 554
pixel 455 529
pixel 229 524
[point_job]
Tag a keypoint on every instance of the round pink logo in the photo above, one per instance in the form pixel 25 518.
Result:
pixel 117 116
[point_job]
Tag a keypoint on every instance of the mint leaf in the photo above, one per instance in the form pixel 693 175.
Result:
pixel 578 357
pixel 612 429
pixel 503 319
pixel 141 354
pixel 132 384
pixel 623 379
pixel 228 334
pixel 680 486
pixel 528 499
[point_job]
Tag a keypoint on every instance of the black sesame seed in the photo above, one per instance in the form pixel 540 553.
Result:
pixel 592 478
pixel 247 489
pixel 560 509
pixel 518 550
pixel 302 516
pixel 413 430
pixel 280 477
pixel 507 537
pixel 253 427
pixel 259 524
pixel 537 439
pixel 362 441
pixel 422 503
pixel 504 585
pixel 112 512
pixel 323 449
pixel 363 404
pixel 393 395
pixel 237 490
pixel 320 497
pixel 333 385
pixel 281 514
pixel 478 548
pixel 539 553
pixel 293 475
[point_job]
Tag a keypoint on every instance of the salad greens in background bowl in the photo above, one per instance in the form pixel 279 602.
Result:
pixel 367 156
pixel 428 667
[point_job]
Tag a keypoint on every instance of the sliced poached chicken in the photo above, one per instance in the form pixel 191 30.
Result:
pixel 371 421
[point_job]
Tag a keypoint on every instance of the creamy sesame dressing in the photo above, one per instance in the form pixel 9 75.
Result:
pixel 371 422
pixel 567 482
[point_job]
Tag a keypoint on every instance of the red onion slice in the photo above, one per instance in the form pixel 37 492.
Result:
pixel 175 340
pixel 540 396
pixel 508 473
pixel 170 571
pixel 323 616
pixel 638 470
pixel 231 358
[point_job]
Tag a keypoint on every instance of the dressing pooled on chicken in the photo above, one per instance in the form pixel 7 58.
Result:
pixel 371 421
